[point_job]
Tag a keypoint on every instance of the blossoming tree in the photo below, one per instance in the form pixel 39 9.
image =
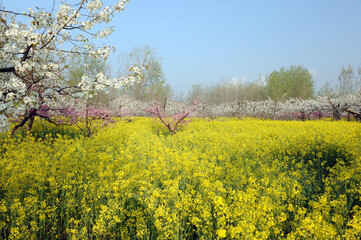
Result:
pixel 34 49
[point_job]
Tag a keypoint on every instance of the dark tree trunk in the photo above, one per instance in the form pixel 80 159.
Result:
pixel 336 114
pixel 30 124
pixel 28 116
pixel 356 115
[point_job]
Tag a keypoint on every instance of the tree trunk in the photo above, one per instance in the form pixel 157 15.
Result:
pixel 336 114
pixel 28 116
pixel 356 115
pixel 30 124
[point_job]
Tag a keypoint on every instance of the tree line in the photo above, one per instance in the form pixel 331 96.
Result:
pixel 283 94
pixel 286 83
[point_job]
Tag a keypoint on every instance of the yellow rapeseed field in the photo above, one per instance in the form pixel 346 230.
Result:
pixel 221 179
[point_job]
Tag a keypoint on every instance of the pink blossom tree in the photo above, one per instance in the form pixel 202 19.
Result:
pixel 174 122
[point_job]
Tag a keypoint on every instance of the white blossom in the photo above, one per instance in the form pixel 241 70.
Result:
pixel 39 49
pixel 4 123
pixel 94 5
pixel 27 100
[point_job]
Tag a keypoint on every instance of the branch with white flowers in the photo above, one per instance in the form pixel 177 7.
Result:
pixel 34 55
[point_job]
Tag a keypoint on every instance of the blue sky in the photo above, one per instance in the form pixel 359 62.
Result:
pixel 208 41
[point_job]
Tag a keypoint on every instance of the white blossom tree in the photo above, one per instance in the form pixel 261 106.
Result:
pixel 34 48
pixel 294 108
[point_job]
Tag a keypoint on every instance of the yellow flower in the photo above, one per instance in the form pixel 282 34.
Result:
pixel 221 233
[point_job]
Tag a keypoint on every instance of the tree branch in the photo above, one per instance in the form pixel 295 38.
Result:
pixel 356 115
pixel 7 69
pixel 26 53
pixel 28 116
pixel 64 25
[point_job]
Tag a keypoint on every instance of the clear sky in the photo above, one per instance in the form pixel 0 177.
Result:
pixel 208 41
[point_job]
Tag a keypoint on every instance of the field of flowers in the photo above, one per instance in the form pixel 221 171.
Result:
pixel 221 179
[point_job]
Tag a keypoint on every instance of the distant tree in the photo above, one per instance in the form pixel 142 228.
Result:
pixel 84 65
pixel 217 94
pixel 197 91
pixel 227 92
pixel 153 85
pixel 293 82
pixel 326 90
pixel 349 82
pixel 80 65
pixel 254 91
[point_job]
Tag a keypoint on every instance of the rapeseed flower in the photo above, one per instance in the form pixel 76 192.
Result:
pixel 221 179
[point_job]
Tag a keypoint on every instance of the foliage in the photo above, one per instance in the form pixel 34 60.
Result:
pixel 34 49
pixel 153 84
pixel 84 65
pixel 349 82
pixel 292 82
pixel 228 92
pixel 325 90
pixel 222 179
